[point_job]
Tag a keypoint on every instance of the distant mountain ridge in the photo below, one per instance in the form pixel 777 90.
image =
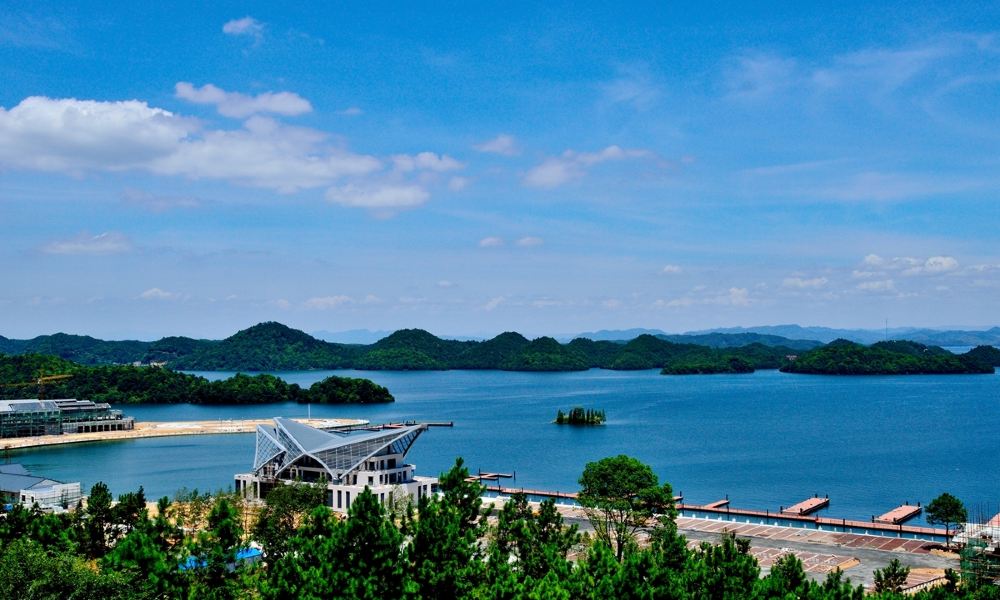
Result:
pixel 956 337
pixel 711 339
pixel 272 346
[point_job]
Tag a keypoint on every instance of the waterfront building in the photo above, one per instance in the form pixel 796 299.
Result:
pixel 30 417
pixel 18 486
pixel 291 452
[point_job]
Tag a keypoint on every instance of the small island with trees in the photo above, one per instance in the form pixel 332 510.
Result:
pixel 580 416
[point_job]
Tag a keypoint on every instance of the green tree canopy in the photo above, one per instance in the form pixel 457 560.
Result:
pixel 620 495
pixel 946 510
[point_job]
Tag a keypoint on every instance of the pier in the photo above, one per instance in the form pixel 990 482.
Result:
pixel 900 514
pixel 807 506
pixel 507 491
pixel 361 425
pixel 718 503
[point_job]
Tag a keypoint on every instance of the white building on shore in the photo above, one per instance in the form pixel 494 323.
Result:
pixel 18 486
pixel 291 452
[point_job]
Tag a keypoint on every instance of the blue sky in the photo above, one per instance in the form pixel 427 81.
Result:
pixel 194 169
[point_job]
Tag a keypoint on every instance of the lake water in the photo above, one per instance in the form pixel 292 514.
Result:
pixel 766 439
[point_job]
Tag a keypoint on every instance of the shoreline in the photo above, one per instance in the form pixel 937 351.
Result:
pixel 151 429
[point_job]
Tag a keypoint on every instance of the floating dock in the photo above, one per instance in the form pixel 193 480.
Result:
pixel 718 503
pixel 489 476
pixel 807 506
pixel 900 514
pixel 507 491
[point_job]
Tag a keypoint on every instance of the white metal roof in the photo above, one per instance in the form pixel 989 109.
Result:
pixel 339 453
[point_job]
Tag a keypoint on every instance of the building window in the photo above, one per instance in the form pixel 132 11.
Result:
pixel 339 503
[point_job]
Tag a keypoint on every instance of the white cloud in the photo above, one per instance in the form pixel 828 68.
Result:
pixel 457 184
pixel 237 105
pixel 158 294
pixel 873 260
pixel 737 297
pixel 327 302
pixel 426 161
pixel 490 242
pixel 572 165
pixel 529 241
pixel 351 111
pixel 70 135
pixel 248 26
pixel 682 302
pixel 611 303
pixel 85 244
pixel 878 186
pixel 445 284
pixel 157 202
pixel 552 173
pixel 74 136
pixel 908 265
pixel 280 303
pixel 803 283
pixel 493 303
pixel 670 270
pixel 635 86
pixel 857 274
pixel 884 285
pixel 502 144
pixel 378 196
pixel 934 265
pixel 759 76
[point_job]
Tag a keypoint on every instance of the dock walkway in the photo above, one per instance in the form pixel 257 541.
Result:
pixel 807 506
pixel 900 514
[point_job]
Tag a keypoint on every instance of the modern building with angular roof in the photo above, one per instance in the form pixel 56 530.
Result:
pixel 17 485
pixel 348 462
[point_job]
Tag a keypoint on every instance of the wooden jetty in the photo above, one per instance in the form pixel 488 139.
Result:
pixel 900 514
pixel 718 503
pixel 382 426
pixel 489 476
pixel 832 523
pixel 807 506
pixel 507 491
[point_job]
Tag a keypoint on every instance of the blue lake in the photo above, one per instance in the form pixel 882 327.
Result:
pixel 766 439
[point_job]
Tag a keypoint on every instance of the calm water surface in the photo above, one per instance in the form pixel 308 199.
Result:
pixel 765 439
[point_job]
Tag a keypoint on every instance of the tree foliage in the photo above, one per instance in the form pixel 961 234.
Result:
pixel 152 385
pixel 842 357
pixel 946 510
pixel 891 578
pixel 446 548
pixel 621 495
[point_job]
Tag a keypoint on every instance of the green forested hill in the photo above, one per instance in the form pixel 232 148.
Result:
pixel 842 357
pixel 546 354
pixel 133 385
pixel 987 355
pixel 82 349
pixel 268 346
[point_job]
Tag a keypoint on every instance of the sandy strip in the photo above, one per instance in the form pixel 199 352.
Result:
pixel 160 429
